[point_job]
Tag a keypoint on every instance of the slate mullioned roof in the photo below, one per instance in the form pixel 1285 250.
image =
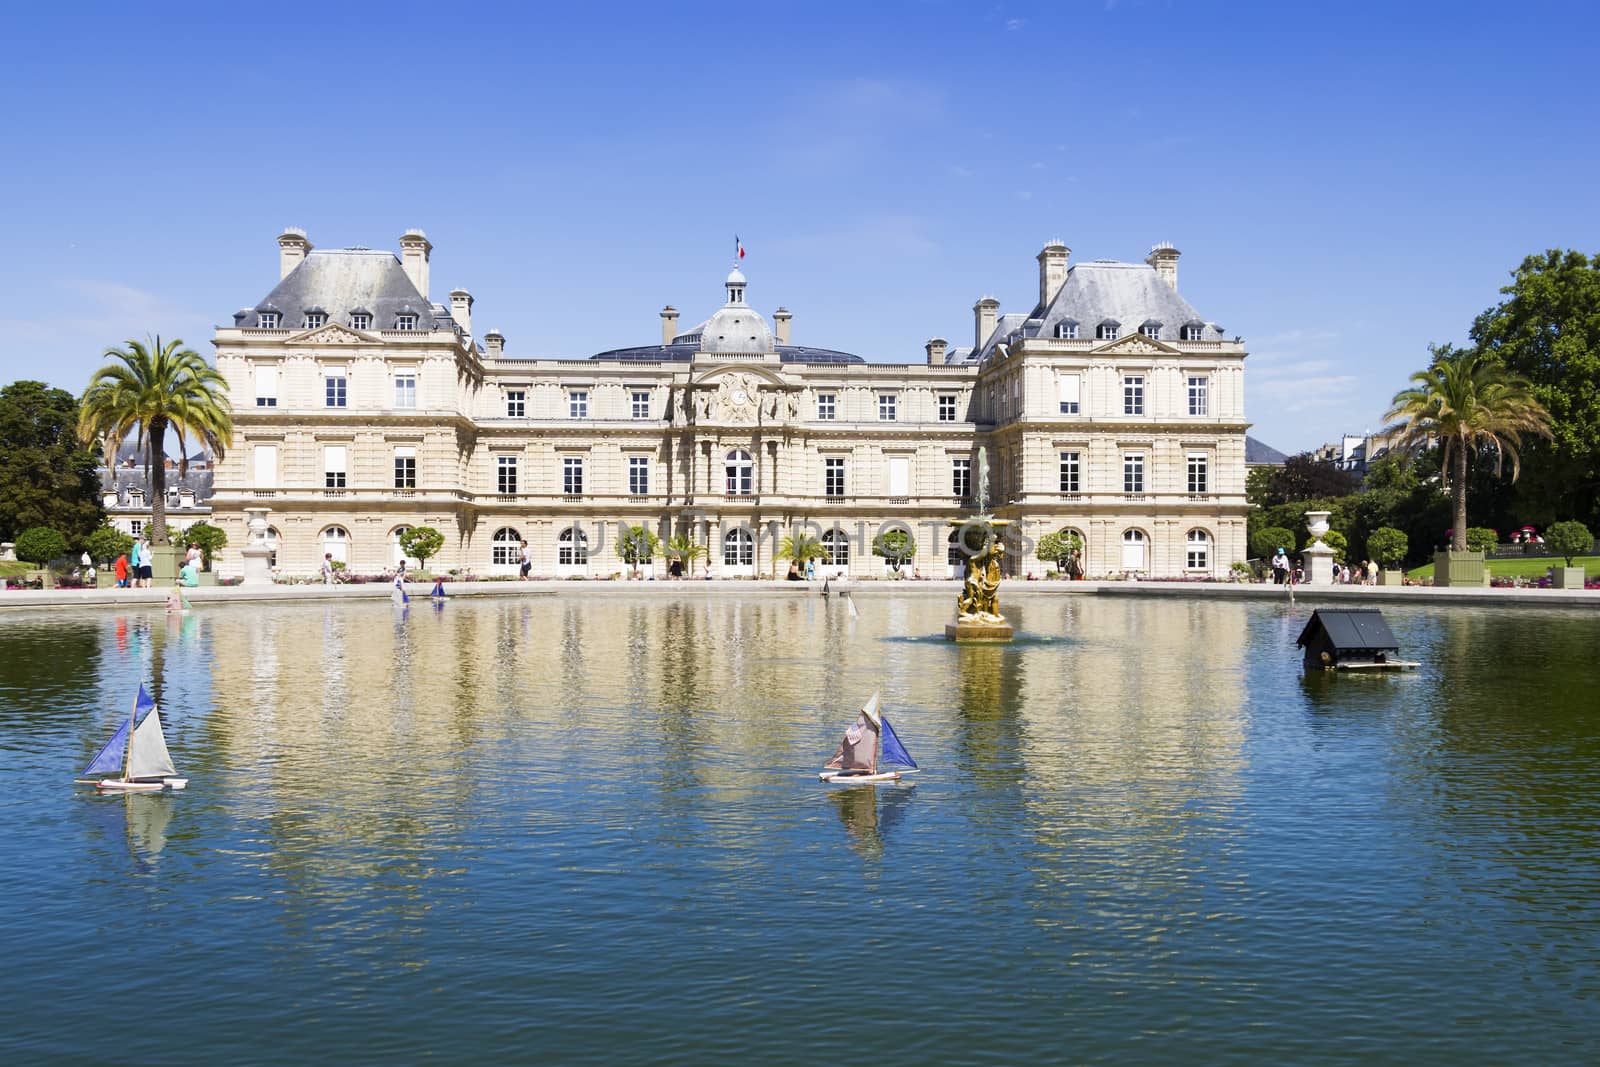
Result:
pixel 339 281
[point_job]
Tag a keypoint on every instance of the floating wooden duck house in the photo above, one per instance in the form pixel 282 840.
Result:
pixel 1350 639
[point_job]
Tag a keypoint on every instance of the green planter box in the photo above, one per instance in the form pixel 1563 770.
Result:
pixel 1391 577
pixel 1566 577
pixel 164 563
pixel 1457 569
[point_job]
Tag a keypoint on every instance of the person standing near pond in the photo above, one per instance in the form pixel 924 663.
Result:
pixel 120 569
pixel 327 568
pixel 1280 567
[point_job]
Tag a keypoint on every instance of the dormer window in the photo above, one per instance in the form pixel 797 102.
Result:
pixel 405 322
pixel 360 320
pixel 1152 330
pixel 1108 330
pixel 269 320
pixel 1067 331
pixel 315 319
pixel 1193 330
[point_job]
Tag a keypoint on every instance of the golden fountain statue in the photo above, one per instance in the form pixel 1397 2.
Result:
pixel 982 539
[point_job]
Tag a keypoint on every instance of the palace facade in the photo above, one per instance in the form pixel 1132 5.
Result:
pixel 363 408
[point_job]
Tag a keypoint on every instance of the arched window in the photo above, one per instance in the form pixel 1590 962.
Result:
pixel 836 543
pixel 336 539
pixel 741 473
pixel 572 548
pixel 738 548
pixel 506 548
pixel 1133 550
pixel 1198 557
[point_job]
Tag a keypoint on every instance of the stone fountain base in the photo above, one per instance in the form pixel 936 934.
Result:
pixel 978 630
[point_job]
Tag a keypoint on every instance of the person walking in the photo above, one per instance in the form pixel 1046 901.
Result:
pixel 525 558
pixel 120 569
pixel 328 577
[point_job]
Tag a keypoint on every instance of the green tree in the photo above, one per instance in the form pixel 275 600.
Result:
pixel 1465 400
pixel 1258 485
pixel 1265 542
pixel 1570 539
pixel 40 544
pixel 210 539
pixel 1304 477
pixel 802 548
pixel 1547 330
pixel 107 543
pixel 636 545
pixel 1481 539
pixel 47 478
pixel 1339 543
pixel 1058 547
pixel 896 545
pixel 421 543
pixel 154 388
pixel 683 547
pixel 1388 546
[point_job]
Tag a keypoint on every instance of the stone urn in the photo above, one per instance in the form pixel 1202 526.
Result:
pixel 1318 556
pixel 257 553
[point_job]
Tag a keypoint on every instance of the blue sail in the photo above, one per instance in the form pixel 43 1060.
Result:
pixel 894 753
pixel 109 759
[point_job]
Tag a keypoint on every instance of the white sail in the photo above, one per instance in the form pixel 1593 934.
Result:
pixel 147 756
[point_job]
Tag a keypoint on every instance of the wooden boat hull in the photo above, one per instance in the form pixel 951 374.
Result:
pixel 841 778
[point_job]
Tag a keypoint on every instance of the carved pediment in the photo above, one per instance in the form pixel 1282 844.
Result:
pixel 329 335
pixel 1136 345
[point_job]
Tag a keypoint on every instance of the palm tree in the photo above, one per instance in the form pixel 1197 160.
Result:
pixel 682 546
pixel 801 548
pixel 155 388
pixel 1465 401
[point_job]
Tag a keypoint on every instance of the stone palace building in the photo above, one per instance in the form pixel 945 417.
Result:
pixel 363 408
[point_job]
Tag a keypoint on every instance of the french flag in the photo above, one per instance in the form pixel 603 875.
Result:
pixel 738 246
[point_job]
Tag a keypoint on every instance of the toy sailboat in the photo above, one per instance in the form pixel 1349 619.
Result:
pixel 138 750
pixel 868 744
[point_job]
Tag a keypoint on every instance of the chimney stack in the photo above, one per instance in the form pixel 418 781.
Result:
pixel 936 349
pixel 669 324
pixel 494 343
pixel 414 249
pixel 1052 271
pixel 984 314
pixel 292 250
pixel 461 309
pixel 1164 258
pixel 780 325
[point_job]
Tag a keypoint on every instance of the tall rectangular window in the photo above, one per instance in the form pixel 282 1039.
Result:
pixel 1133 394
pixel 578 404
pixel 1133 472
pixel 1070 388
pixel 639 475
pixel 1069 472
pixel 1199 401
pixel 334 390
pixel 266 457
pixel 405 467
pixel 516 403
pixel 825 407
pixel 333 467
pixel 898 480
pixel 947 408
pixel 267 387
pixel 886 407
pixel 405 390
pixel 572 475
pixel 506 474
pixel 833 476
pixel 1198 481
pixel 641 403
pixel 961 477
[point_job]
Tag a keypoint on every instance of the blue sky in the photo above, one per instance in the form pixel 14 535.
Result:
pixel 1347 182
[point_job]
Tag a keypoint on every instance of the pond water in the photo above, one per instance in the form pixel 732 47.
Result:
pixel 567 830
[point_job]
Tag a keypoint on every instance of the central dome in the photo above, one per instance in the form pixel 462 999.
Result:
pixel 736 328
